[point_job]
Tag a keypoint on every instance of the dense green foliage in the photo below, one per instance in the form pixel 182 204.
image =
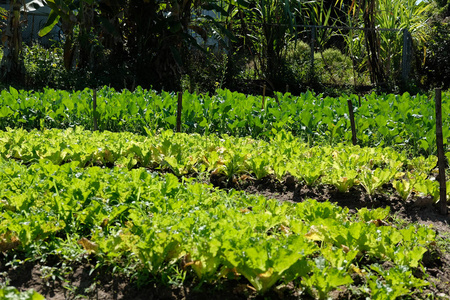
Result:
pixel 12 293
pixel 196 44
pixel 436 72
pixel 73 196
pixel 402 121
pixel 147 224
pixel 343 167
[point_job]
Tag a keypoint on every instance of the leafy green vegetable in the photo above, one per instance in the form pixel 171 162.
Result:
pixel 12 293
pixel 400 121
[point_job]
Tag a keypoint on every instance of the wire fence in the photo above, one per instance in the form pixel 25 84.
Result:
pixel 309 54
pixel 339 55
pixel 329 55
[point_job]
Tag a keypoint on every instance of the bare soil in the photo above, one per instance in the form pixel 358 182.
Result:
pixel 102 284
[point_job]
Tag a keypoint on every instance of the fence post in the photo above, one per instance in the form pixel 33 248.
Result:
pixel 406 55
pixel 263 97
pixel 94 108
pixel 352 121
pixel 179 109
pixel 441 157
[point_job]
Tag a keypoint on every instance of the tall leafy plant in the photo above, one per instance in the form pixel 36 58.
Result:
pixel 435 72
pixel 372 40
pixel 67 13
pixel 266 26
pixel 402 15
pixel 142 35
pixel 384 48
pixel 12 62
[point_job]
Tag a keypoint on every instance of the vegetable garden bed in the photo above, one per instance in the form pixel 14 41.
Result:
pixel 186 216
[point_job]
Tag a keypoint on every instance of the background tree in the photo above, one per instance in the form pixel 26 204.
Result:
pixel 148 35
pixel 156 44
pixel 384 48
pixel 12 67
pixel 434 70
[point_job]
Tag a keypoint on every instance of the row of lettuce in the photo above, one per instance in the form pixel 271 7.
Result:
pixel 151 224
pixel 402 121
pixel 76 194
pixel 10 292
pixel 232 159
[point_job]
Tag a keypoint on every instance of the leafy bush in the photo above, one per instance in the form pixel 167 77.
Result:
pixel 436 72
pixel 3 17
pixel 205 71
pixel 298 60
pixel 12 293
pixel 444 7
pixel 330 66
pixel 44 67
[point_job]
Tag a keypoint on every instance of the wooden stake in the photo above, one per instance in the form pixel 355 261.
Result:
pixel 94 106
pixel 441 157
pixel 264 97
pixel 352 120
pixel 179 109
pixel 287 88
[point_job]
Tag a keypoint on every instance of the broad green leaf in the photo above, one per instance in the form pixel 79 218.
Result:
pixel 53 19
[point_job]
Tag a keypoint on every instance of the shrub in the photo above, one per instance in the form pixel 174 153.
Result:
pixel 298 60
pixel 44 67
pixel 333 67
pixel 205 71
pixel 330 66
pixel 436 71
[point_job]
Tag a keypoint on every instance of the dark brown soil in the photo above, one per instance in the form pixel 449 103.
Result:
pixel 81 284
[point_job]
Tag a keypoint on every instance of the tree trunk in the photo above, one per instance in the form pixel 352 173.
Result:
pixel 12 67
pixel 372 40
pixel 86 22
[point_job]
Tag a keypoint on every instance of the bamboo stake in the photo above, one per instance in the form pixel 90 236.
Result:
pixel 94 106
pixel 264 97
pixel 179 109
pixel 352 120
pixel 441 157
